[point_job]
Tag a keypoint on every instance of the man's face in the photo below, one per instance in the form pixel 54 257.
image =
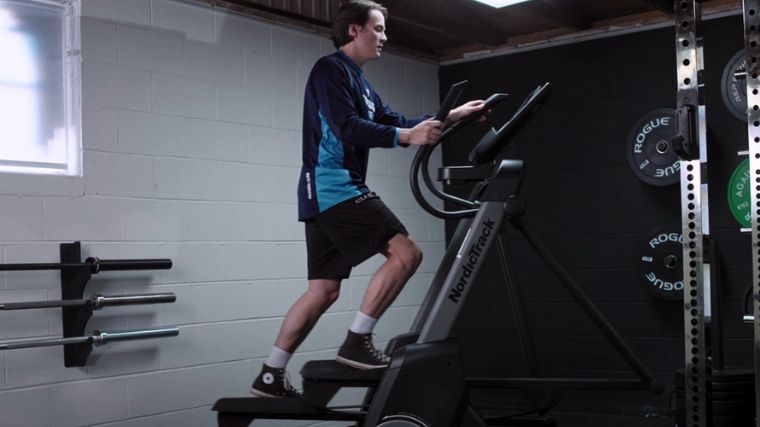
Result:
pixel 369 39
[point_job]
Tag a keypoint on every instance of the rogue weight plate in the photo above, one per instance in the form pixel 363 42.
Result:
pixel 650 152
pixel 659 267
pixel 738 194
pixel 735 90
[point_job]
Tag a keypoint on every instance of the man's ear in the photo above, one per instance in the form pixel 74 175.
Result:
pixel 353 30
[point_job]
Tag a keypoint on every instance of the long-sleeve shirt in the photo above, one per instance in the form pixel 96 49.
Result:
pixel 343 117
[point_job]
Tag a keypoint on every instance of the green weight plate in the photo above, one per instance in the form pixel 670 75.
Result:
pixel 739 187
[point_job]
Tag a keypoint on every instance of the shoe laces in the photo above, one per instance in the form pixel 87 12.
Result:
pixel 286 384
pixel 377 354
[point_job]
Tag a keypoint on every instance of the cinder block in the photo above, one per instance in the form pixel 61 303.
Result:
pixel 99 129
pixel 89 402
pixel 287 113
pixel 150 421
pixel 378 162
pixel 275 223
pixel 98 41
pixel 158 392
pixel 278 147
pixel 415 223
pixel 151 220
pixel 37 366
pixel 214 302
pixel 134 11
pixel 150 50
pixel 243 105
pixel 151 134
pixel 127 357
pixel 196 22
pixel 41 185
pixel 274 73
pixel 33 253
pixel 433 253
pixel 184 97
pixel 400 161
pixel 118 175
pixel 27 407
pixel 251 261
pixel 200 417
pixel 22 324
pixel 201 139
pixel 414 291
pixel 214 62
pixel 208 180
pixel 21 218
pixel 85 218
pixel 286 181
pixel 193 263
pixel 219 342
pixel 245 33
pixel 115 86
pixel 296 44
pixel 228 379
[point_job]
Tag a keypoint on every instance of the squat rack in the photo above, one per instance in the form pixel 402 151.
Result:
pixel 751 41
pixel 691 145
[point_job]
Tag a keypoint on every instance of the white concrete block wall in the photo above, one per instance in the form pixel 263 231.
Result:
pixel 191 133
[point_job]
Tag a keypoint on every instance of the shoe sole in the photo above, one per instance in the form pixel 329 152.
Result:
pixel 257 393
pixel 358 365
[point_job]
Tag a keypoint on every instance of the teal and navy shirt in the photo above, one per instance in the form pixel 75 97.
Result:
pixel 343 117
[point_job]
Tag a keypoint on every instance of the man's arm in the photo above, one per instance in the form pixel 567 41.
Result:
pixel 336 106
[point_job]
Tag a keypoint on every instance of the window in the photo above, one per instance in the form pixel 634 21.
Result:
pixel 40 107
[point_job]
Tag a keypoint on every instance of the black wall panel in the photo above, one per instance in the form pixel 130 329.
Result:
pixel 591 210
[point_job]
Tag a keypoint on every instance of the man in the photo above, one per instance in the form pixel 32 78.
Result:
pixel 345 222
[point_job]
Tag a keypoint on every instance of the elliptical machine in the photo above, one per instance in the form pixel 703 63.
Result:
pixel 425 385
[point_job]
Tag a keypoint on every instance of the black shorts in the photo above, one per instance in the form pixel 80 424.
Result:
pixel 347 234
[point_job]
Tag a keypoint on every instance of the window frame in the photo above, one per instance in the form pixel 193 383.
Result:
pixel 72 97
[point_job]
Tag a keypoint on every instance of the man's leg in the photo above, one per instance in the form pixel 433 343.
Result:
pixel 300 320
pixel 403 256
pixel 303 315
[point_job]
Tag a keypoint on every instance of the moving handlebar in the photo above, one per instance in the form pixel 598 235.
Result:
pixel 98 338
pixel 95 265
pixel 96 301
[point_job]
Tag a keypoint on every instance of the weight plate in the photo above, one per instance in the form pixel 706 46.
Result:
pixel 650 152
pixel 738 194
pixel 659 267
pixel 735 90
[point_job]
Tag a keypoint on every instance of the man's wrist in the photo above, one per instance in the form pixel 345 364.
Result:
pixel 403 136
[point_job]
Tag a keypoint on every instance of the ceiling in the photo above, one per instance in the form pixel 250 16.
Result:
pixel 452 29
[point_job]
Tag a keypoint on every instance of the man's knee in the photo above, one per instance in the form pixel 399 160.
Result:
pixel 325 292
pixel 406 251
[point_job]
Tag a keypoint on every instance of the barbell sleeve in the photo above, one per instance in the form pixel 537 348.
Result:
pixel 101 338
pixel 749 319
pixel 98 338
pixel 12 345
pixel 106 301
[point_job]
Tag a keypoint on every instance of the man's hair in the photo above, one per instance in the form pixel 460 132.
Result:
pixel 352 12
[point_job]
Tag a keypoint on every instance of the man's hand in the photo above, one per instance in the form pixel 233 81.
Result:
pixel 465 110
pixel 424 133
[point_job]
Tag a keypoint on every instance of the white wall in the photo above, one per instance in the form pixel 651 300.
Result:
pixel 191 136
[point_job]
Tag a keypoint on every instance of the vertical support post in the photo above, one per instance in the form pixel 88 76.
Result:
pixel 691 146
pixel 752 46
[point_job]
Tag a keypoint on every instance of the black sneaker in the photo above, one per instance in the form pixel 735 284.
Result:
pixel 273 382
pixel 359 351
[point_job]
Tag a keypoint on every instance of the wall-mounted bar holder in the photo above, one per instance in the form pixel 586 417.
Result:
pixel 77 311
pixel 97 339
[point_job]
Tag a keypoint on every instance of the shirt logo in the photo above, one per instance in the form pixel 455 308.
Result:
pixel 370 104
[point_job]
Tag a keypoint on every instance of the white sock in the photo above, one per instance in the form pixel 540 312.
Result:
pixel 363 324
pixel 278 358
